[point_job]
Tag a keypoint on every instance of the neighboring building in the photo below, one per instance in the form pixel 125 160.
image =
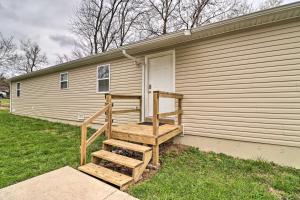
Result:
pixel 240 79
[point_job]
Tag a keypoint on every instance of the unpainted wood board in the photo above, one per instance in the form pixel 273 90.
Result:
pixel 127 145
pixel 118 159
pixel 108 175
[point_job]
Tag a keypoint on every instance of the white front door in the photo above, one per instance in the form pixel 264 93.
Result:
pixel 160 76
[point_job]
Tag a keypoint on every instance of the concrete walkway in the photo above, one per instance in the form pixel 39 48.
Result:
pixel 63 184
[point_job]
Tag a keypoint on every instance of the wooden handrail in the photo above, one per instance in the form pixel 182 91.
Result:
pixel 169 95
pixel 105 128
pixel 96 115
pixel 96 134
pixel 122 96
pixel 157 115
pixel 167 114
pixel 125 111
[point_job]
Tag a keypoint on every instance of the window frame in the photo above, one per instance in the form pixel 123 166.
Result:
pixel 18 90
pixel 60 81
pixel 98 79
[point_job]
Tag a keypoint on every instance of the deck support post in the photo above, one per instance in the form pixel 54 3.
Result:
pixel 179 113
pixel 109 115
pixel 155 155
pixel 155 120
pixel 141 106
pixel 83 144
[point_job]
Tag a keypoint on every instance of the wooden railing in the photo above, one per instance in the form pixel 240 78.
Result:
pixel 106 127
pixel 157 116
pixel 111 97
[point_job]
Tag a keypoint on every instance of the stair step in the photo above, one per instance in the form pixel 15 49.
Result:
pixel 118 159
pixel 127 145
pixel 105 174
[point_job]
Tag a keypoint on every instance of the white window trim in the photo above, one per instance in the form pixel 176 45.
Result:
pixel 60 81
pixel 18 89
pixel 97 79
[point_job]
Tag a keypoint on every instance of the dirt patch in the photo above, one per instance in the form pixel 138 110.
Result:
pixel 277 193
pixel 169 147
pixel 165 148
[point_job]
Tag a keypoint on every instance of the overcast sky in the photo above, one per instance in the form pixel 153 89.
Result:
pixel 44 21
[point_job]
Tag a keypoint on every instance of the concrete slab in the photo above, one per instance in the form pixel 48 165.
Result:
pixel 63 184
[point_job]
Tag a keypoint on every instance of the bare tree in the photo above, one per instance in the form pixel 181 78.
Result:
pixel 8 55
pixel 266 4
pixel 94 23
pixel 63 58
pixel 191 12
pixel 31 58
pixel 197 13
pixel 4 85
pixel 129 14
pixel 166 16
pixel 104 24
pixel 160 17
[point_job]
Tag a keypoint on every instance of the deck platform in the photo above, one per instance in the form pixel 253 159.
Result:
pixel 144 138
pixel 143 133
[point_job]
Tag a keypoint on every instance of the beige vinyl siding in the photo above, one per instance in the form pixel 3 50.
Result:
pixel 243 86
pixel 42 97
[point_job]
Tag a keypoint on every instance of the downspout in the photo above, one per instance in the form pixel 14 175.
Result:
pixel 138 63
pixel 130 57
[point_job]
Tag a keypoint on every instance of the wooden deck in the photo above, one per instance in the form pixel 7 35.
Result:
pixel 141 133
pixel 142 137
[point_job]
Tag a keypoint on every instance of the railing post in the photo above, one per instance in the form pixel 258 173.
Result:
pixel 155 113
pixel 141 105
pixel 109 115
pixel 83 144
pixel 179 109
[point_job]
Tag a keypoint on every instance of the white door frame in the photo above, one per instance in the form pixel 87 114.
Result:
pixel 145 75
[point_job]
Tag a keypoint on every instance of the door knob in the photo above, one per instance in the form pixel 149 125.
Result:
pixel 149 88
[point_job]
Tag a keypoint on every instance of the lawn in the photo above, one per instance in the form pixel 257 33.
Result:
pixel 4 102
pixel 192 174
pixel 29 147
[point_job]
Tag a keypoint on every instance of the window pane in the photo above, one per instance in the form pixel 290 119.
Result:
pixel 64 77
pixel 18 85
pixel 64 85
pixel 18 93
pixel 103 85
pixel 103 72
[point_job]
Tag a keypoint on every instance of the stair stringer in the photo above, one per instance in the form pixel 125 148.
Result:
pixel 138 171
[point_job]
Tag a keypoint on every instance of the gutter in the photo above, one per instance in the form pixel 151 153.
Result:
pixel 273 15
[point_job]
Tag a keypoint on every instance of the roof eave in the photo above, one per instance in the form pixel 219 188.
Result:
pixel 274 15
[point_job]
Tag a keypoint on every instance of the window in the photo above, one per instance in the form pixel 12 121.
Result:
pixel 64 80
pixel 18 89
pixel 103 75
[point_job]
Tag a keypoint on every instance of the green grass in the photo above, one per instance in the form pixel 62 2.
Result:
pixel 5 101
pixel 197 175
pixel 30 147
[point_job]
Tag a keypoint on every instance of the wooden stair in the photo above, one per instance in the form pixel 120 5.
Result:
pixel 118 159
pixel 121 180
pixel 106 174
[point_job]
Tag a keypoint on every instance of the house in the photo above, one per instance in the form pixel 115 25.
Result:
pixel 240 81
